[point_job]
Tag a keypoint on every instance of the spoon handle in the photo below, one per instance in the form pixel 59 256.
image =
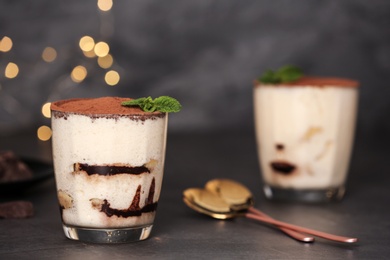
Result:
pixel 292 233
pixel 302 229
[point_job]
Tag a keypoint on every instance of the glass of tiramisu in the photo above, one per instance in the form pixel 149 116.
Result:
pixel 108 163
pixel 305 130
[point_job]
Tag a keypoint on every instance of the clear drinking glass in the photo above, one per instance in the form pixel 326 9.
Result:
pixel 305 133
pixel 108 163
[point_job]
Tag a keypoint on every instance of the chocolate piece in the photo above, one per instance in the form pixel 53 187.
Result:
pixel 16 209
pixel 149 200
pixel 279 147
pixel 12 168
pixel 109 170
pixel 133 210
pixel 135 204
pixel 283 167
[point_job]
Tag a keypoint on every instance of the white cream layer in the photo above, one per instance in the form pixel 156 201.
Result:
pixel 316 127
pixel 106 141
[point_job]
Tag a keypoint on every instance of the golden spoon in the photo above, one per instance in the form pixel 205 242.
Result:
pixel 207 202
pixel 240 198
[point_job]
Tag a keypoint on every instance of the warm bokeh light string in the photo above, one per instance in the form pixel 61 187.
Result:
pixel 49 54
pixel 112 77
pixel 46 110
pixel 106 61
pixel 87 43
pixel 6 44
pixel 91 48
pixel 11 69
pixel 101 49
pixel 78 74
pixel 44 133
pixel 104 5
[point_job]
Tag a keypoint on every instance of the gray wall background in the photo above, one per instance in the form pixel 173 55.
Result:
pixel 205 53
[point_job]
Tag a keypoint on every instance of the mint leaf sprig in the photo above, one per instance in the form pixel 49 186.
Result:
pixel 284 74
pixel 163 104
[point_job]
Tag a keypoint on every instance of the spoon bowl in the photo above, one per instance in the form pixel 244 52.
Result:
pixel 234 193
pixel 205 202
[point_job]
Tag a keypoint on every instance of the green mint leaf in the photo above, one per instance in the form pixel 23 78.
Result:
pixel 284 74
pixel 167 104
pixel 289 73
pixel 134 102
pixel 163 104
pixel 269 77
pixel 148 105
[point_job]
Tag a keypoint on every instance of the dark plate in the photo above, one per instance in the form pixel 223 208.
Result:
pixel 41 171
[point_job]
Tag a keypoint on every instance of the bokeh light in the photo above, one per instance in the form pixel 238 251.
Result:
pixel 87 43
pixel 6 44
pixel 106 61
pixel 44 133
pixel 49 54
pixel 112 77
pixel 78 74
pixel 101 49
pixel 89 54
pixel 11 71
pixel 104 5
pixel 46 110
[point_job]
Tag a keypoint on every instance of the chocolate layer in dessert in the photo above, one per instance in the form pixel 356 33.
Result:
pixel 109 170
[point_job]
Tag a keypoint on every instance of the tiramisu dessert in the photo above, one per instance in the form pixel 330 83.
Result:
pixel 108 162
pixel 305 131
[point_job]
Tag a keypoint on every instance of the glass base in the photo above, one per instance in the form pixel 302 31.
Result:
pixel 116 235
pixel 304 195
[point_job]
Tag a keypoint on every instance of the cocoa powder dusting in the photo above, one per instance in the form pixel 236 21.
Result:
pixel 312 81
pixel 107 107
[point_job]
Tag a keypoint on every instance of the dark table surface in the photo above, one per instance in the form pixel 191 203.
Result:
pixel 180 233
